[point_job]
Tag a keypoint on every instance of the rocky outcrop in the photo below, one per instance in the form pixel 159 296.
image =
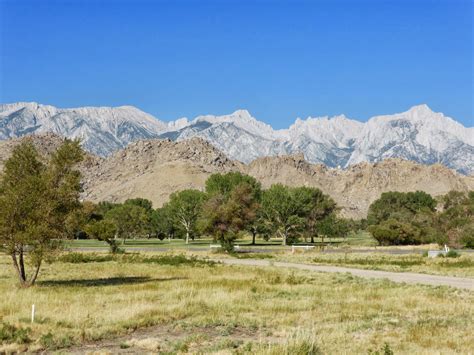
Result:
pixel 154 169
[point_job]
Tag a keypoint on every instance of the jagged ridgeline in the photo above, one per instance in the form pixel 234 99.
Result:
pixel 419 134
pixel 155 168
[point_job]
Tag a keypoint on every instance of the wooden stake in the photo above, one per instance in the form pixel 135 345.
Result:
pixel 32 313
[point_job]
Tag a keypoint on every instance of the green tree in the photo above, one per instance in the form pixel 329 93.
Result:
pixel 147 205
pixel 285 209
pixel 185 208
pixel 231 206
pixel 131 220
pixel 77 220
pixel 224 184
pixel 456 221
pixel 163 223
pixel 322 206
pixel 332 226
pixel 400 206
pixel 104 230
pixel 36 197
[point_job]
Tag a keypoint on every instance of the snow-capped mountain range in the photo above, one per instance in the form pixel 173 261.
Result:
pixel 418 134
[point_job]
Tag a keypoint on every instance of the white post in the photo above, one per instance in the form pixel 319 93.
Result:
pixel 32 313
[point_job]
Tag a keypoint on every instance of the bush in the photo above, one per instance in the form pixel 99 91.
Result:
pixel 467 236
pixel 452 254
pixel 11 334
pixel 394 232
pixel 174 260
pixel 48 341
pixel 79 258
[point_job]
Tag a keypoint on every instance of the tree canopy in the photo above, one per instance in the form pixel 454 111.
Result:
pixel 37 195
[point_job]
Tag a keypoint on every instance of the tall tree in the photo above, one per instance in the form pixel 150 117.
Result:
pixel 185 207
pixel 162 222
pixel 130 220
pixel 321 207
pixel 36 197
pixel 285 209
pixel 231 208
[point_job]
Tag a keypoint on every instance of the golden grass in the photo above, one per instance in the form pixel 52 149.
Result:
pixel 230 308
pixel 462 266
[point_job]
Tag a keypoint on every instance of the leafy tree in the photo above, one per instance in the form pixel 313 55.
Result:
pixel 394 232
pixel 147 205
pixel 231 207
pixel 185 207
pixel 104 230
pixel 131 220
pixel 403 218
pixel 331 226
pixel 36 197
pixel 321 207
pixel 224 184
pixel 78 219
pixel 259 227
pixel 285 209
pixel 456 221
pixel 399 205
pixel 162 222
pixel 105 206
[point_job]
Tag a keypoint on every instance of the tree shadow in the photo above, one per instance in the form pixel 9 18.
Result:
pixel 110 281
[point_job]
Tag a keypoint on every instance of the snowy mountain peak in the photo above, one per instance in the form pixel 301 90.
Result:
pixel 422 109
pixel 418 134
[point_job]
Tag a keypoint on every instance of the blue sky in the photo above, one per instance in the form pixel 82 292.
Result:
pixel 278 59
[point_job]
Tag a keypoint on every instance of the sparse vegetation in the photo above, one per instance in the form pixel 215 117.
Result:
pixel 142 305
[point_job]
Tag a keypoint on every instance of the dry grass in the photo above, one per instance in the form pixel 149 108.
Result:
pixel 231 309
pixel 462 266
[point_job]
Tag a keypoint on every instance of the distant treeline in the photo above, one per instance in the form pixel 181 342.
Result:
pixel 234 204
pixel 231 205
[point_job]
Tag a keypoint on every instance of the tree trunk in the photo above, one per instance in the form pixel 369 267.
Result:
pixel 312 239
pixel 283 242
pixel 254 234
pixel 22 265
pixel 18 270
pixel 35 275
pixel 187 237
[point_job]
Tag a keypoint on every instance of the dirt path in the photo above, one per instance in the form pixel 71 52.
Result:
pixel 407 277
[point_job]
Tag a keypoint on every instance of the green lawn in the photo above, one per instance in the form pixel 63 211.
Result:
pixel 362 239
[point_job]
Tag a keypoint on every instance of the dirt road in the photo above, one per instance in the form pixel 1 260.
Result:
pixel 402 277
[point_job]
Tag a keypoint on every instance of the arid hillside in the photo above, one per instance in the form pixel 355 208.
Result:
pixel 155 168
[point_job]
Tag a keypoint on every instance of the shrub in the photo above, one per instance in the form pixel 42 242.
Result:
pixel 394 232
pixel 79 258
pixel 11 334
pixel 48 341
pixel 452 254
pixel 175 260
pixel 467 236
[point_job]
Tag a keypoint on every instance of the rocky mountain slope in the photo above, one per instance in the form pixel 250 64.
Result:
pixel 103 130
pixel 155 168
pixel 418 134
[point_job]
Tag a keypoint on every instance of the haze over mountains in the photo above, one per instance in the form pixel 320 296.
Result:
pixel 419 134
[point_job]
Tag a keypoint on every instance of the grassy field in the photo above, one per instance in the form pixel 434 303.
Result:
pixel 361 240
pixel 462 266
pixel 177 304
